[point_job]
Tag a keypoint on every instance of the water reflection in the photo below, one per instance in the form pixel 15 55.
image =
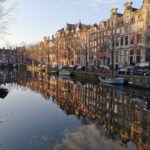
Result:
pixel 111 117
pixel 90 137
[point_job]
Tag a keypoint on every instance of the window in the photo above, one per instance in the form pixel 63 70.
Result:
pixel 122 41
pixel 138 56
pixel 138 59
pixel 131 52
pixel 65 55
pixel 126 40
pixel 113 44
pixel 132 27
pixel 139 38
pixel 138 52
pixel 147 55
pixel 148 39
pixel 118 30
pixel 117 43
pixel 117 55
pixel 132 39
pixel 126 55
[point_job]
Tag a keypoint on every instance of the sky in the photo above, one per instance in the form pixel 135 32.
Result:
pixel 31 20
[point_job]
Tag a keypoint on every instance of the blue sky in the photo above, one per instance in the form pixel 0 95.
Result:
pixel 33 19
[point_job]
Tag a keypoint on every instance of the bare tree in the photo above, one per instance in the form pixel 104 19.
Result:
pixel 111 41
pixel 84 50
pixel 5 13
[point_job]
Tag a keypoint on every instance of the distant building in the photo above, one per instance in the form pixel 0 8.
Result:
pixel 21 55
pixel 69 44
pixel 7 56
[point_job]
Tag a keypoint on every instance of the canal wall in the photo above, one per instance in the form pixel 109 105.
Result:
pixel 94 76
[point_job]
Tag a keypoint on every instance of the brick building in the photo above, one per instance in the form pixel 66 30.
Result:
pixel 121 40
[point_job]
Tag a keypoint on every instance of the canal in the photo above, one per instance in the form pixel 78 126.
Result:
pixel 45 112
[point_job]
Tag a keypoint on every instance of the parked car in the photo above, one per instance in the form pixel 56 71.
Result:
pixel 141 70
pixel 142 64
pixel 80 68
pixel 126 70
pixel 104 69
pixel 72 67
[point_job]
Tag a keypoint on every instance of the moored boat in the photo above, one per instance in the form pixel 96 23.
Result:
pixel 116 81
pixel 64 72
pixel 3 92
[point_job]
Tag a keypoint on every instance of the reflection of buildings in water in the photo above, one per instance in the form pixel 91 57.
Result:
pixel 107 106
pixel 14 76
pixel 104 105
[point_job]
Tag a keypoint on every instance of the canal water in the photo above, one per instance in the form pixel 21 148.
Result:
pixel 43 112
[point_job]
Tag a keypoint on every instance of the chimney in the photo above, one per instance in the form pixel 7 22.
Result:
pixel 128 5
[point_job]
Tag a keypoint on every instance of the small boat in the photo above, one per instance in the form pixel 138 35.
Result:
pixel 117 81
pixel 64 72
pixel 3 92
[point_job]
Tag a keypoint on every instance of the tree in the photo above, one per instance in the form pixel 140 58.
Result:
pixel 84 51
pixel 111 42
pixel 4 16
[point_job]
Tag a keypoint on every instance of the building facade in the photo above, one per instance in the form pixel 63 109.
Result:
pixel 121 40
pixel 8 56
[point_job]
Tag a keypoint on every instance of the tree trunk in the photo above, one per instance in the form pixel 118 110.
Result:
pixel 112 54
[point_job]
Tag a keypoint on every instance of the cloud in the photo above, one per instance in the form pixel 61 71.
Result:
pixel 104 1
pixel 88 137
pixel 96 3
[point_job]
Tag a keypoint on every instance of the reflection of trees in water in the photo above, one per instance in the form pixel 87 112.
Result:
pixel 106 106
